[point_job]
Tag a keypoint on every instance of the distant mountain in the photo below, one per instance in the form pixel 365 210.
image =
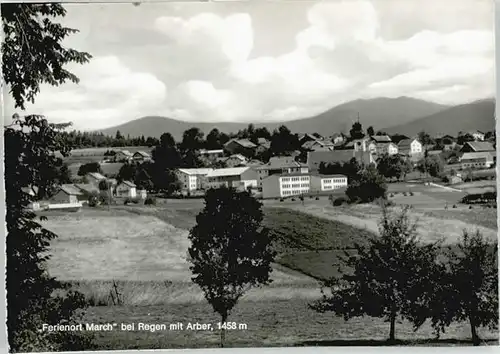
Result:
pixel 377 112
pixel 478 115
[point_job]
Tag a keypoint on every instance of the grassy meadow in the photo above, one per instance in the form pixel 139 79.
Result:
pixel 130 263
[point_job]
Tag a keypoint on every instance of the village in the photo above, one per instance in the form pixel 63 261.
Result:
pixel 291 176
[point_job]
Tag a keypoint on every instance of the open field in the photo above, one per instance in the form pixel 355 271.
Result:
pixel 141 252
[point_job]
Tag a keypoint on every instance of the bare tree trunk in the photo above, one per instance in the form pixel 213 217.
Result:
pixel 473 329
pixel 392 332
pixel 223 330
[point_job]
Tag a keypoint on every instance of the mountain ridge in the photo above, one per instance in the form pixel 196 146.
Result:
pixel 476 115
pixel 378 112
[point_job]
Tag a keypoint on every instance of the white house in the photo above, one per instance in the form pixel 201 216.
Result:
pixel 191 178
pixel 237 177
pixel 126 189
pixel 387 148
pixel 411 148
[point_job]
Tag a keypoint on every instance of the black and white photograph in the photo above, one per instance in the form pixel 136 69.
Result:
pixel 249 174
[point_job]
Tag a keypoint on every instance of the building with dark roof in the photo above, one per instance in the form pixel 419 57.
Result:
pixel 68 193
pixel 279 165
pixel 477 146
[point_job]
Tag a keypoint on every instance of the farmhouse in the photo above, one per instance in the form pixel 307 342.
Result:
pixel 141 156
pixel 386 148
pixel 94 178
pixel 477 146
pixel 483 159
pixel 126 189
pixel 303 138
pixel 122 156
pixel 237 177
pixel 315 158
pixel 316 145
pixel 240 146
pixel 68 193
pixel 263 145
pixel 280 165
pixel 411 148
pixel 236 160
pixel 477 135
pixel 191 178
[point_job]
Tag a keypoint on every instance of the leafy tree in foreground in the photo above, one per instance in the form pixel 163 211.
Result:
pixel 29 144
pixel 230 252
pixel 388 278
pixel 32 51
pixel 32 54
pixel 467 291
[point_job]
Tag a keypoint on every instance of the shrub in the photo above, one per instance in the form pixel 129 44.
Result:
pixel 367 186
pixel 93 201
pixel 339 201
pixel 150 201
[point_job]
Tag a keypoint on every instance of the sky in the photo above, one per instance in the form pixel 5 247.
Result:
pixel 268 61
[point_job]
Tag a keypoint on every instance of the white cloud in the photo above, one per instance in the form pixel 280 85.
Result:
pixel 109 93
pixel 232 35
pixel 348 49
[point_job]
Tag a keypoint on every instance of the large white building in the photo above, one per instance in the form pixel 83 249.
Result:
pixel 192 178
pixel 294 184
pixel 323 183
pixel 236 177
pixel 280 165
